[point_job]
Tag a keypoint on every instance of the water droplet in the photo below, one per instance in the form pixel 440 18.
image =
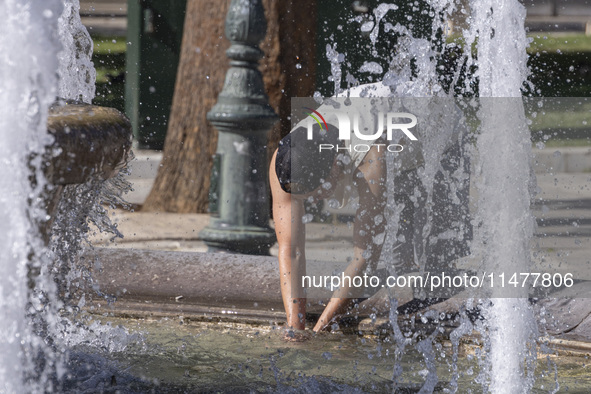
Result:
pixel 298 66
pixel 333 203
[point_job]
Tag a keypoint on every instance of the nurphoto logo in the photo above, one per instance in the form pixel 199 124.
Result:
pixel 360 131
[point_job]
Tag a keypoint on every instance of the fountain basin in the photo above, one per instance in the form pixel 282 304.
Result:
pixel 197 284
pixel 209 322
pixel 179 355
pixel 90 141
pixel 245 289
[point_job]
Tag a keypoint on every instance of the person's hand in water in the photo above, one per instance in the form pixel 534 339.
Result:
pixel 293 335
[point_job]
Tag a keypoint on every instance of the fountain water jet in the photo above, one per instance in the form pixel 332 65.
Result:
pixel 38 45
pixel 28 70
pixel 505 183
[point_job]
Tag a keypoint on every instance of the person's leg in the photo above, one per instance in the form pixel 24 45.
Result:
pixel 292 260
pixel 292 266
pixel 368 230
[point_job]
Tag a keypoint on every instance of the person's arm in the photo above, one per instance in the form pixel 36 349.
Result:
pixel 292 259
pixel 371 187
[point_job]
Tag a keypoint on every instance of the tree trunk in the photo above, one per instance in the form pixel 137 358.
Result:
pixel 289 65
pixel 182 183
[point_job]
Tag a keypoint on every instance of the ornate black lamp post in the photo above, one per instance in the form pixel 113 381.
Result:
pixel 242 115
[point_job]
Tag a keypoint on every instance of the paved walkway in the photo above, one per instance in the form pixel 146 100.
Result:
pixel 564 204
pixel 564 207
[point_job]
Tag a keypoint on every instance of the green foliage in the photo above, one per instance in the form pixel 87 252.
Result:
pixel 109 61
pixel 560 65
pixel 565 74
pixel 571 43
pixel 559 143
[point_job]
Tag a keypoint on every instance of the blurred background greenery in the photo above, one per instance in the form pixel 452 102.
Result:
pixel 560 66
pixel 109 60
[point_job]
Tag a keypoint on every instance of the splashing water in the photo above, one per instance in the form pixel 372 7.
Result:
pixel 28 70
pixel 28 44
pixel 76 70
pixel 335 59
pixel 80 204
pixel 505 176
pixel 45 53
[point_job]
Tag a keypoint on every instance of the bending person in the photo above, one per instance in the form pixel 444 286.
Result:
pixel 291 188
pixel 299 172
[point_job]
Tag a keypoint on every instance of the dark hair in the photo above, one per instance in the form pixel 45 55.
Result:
pixel 300 165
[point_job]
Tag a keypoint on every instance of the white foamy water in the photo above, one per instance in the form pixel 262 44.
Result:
pixel 28 75
pixel 45 52
pixel 504 172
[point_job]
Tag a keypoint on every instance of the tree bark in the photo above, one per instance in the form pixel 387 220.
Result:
pixel 182 183
pixel 289 65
